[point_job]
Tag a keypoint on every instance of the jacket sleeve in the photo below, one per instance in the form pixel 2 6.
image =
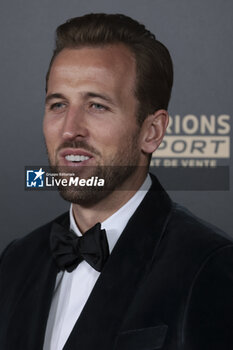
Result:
pixel 208 317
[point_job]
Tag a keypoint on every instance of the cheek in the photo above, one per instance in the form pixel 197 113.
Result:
pixel 113 135
pixel 51 133
pixel 111 141
pixel 118 141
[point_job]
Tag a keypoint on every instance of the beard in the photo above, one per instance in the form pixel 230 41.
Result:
pixel 117 170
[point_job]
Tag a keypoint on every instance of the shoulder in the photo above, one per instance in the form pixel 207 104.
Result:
pixel 180 225
pixel 190 245
pixel 33 243
pixel 208 312
pixel 201 260
pixel 190 231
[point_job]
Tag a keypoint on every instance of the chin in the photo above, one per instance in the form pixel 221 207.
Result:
pixel 83 196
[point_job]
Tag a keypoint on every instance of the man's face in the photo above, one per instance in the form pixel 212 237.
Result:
pixel 90 120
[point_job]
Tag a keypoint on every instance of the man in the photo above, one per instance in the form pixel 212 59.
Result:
pixel 168 280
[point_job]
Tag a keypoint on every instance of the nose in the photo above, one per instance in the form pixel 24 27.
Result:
pixel 74 126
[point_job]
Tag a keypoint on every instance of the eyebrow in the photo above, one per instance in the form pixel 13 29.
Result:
pixel 53 96
pixel 86 95
pixel 97 95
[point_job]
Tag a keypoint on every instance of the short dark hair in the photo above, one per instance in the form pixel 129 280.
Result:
pixel 154 70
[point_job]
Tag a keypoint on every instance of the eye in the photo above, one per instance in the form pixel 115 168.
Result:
pixel 98 107
pixel 57 106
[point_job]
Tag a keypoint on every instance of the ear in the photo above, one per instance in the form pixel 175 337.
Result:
pixel 153 130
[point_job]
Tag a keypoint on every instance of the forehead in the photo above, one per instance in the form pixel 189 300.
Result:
pixel 110 64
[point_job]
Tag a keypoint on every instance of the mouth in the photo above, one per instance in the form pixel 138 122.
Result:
pixel 75 157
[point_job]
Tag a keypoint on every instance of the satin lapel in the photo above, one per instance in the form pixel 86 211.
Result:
pixel 29 318
pixel 128 264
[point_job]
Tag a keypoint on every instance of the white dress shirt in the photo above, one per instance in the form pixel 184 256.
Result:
pixel 73 289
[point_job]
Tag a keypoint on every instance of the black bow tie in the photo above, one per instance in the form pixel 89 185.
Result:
pixel 69 250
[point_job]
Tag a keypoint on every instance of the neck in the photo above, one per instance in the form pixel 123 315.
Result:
pixel 86 217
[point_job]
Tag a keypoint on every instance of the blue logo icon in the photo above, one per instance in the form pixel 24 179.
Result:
pixel 35 178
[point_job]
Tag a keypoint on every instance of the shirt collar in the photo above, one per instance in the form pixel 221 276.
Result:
pixel 115 224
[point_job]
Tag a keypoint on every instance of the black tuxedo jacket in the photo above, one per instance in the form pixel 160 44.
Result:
pixel 168 284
